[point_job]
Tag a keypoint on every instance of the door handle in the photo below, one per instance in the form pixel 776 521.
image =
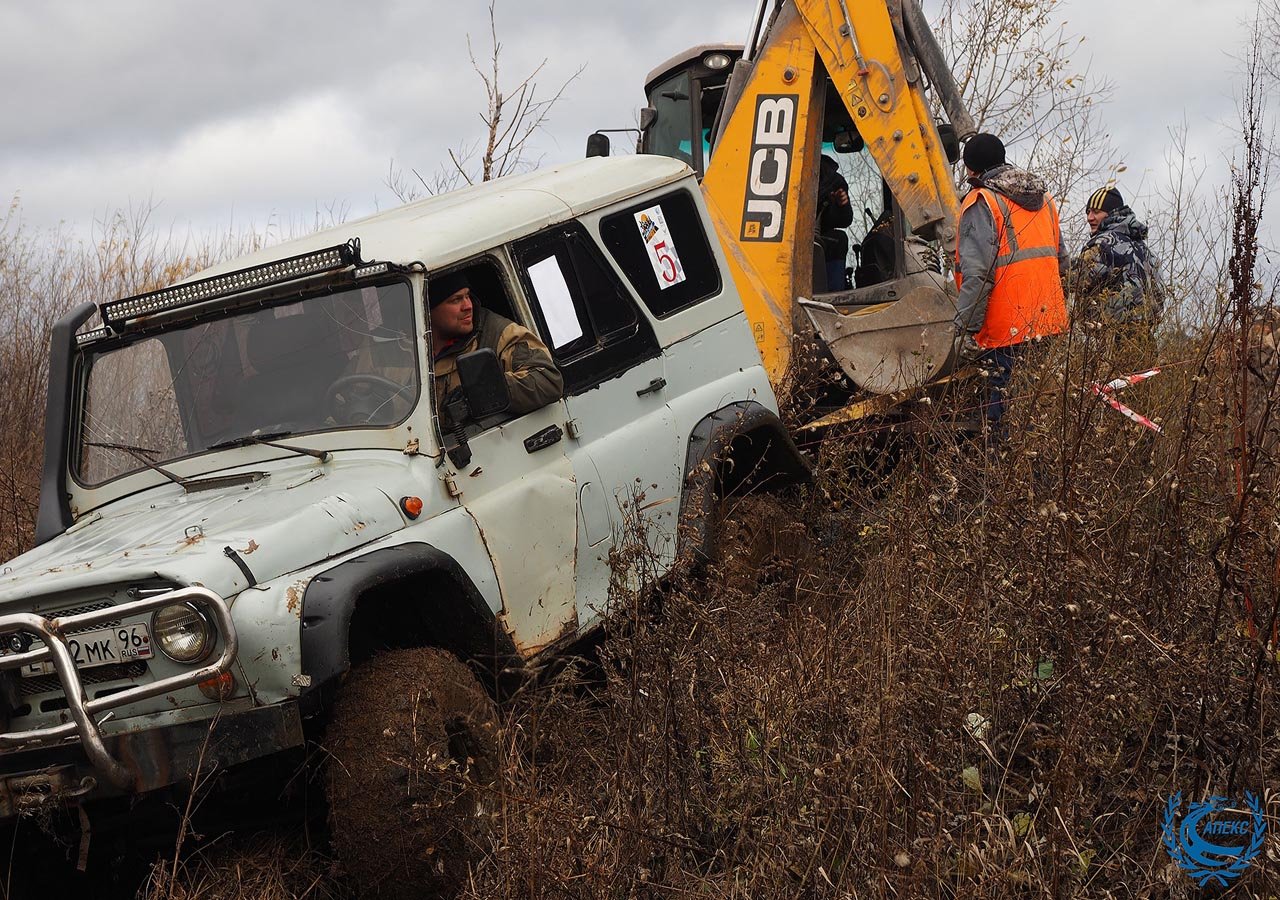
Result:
pixel 654 386
pixel 543 439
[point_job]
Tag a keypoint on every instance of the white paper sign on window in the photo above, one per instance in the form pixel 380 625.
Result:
pixel 556 301
pixel 662 250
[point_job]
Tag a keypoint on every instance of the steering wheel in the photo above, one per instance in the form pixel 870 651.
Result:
pixel 358 399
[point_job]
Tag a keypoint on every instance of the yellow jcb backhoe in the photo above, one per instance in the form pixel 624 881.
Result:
pixel 848 76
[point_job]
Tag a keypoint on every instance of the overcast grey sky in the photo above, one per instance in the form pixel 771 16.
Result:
pixel 242 113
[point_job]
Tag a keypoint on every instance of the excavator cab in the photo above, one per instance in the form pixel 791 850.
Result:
pixel 883 258
pixel 685 95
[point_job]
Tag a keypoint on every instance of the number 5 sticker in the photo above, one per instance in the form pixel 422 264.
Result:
pixel 662 250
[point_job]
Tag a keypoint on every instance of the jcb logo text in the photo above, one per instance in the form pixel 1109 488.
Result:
pixel 768 178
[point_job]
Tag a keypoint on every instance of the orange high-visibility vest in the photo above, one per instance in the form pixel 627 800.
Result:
pixel 1026 297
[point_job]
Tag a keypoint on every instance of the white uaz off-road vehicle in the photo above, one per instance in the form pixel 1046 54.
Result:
pixel 253 528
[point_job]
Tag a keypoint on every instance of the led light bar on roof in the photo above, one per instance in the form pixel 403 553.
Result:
pixel 339 257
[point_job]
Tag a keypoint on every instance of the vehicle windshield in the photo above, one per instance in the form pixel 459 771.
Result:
pixel 340 360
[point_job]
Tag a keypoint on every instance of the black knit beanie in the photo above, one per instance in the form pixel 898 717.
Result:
pixel 442 288
pixel 984 151
pixel 1106 200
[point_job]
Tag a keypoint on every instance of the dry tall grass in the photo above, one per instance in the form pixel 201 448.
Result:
pixel 980 677
pixel 980 680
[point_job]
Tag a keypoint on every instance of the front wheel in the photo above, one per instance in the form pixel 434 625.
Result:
pixel 414 747
pixel 760 538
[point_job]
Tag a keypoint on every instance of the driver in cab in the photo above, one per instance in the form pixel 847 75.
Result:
pixel 459 324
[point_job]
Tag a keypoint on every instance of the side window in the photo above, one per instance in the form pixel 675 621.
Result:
pixel 662 248
pixel 672 130
pixel 591 323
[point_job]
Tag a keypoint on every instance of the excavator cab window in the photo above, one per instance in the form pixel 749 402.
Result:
pixel 871 239
pixel 686 100
pixel 671 133
pixel 709 97
pixel 881 246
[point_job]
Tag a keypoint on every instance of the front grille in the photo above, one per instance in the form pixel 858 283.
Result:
pixel 73 611
pixel 79 610
pixel 28 687
pixel 43 684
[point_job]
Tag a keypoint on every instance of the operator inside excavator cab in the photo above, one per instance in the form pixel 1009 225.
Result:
pixel 881 246
pixel 870 241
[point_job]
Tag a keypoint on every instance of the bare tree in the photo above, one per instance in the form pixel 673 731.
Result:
pixel 1267 34
pixel 511 118
pixel 1017 68
pixel 1267 42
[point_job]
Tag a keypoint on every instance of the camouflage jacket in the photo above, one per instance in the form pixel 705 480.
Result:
pixel 1116 276
pixel 532 378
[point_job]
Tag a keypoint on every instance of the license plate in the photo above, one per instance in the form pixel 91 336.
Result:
pixel 101 647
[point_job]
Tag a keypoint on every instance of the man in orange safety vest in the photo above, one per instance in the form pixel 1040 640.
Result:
pixel 1010 260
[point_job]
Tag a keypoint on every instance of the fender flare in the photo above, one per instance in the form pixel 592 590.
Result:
pixel 331 597
pixel 709 441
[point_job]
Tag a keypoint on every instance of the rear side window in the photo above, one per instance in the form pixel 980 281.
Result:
pixel 592 325
pixel 662 248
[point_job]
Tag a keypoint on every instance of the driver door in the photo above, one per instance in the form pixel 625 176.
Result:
pixel 519 487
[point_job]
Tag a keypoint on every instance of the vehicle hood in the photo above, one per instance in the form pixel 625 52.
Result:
pixel 287 520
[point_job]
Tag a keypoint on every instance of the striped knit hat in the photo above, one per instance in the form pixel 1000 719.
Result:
pixel 1105 199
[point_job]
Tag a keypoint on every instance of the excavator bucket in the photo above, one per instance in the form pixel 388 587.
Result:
pixel 892 346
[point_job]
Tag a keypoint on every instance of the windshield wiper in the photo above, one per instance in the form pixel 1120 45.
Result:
pixel 269 440
pixel 137 453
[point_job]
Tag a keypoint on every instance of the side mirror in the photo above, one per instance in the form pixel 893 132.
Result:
pixel 846 141
pixel 597 145
pixel 483 383
pixel 648 115
pixel 950 141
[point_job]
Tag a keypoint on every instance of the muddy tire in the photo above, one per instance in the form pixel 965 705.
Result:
pixel 413 744
pixel 759 540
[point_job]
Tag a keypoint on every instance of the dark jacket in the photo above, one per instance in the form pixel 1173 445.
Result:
pixel 878 257
pixel 833 217
pixel 1116 275
pixel 979 241
pixel 532 378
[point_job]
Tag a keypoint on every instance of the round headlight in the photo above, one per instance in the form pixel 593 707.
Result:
pixel 716 60
pixel 182 632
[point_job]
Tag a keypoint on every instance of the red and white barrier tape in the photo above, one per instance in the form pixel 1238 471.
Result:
pixel 1107 392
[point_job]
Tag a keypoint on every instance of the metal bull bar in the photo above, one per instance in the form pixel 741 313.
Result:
pixel 83 711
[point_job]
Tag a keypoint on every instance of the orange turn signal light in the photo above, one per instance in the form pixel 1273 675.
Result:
pixel 220 687
pixel 412 506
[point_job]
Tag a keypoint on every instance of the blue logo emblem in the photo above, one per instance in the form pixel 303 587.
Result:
pixel 1214 842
